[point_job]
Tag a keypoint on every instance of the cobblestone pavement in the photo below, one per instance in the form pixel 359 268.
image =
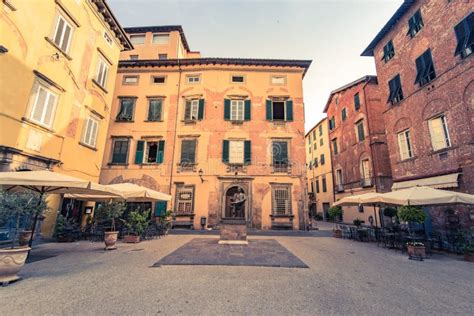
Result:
pixel 343 277
pixel 258 252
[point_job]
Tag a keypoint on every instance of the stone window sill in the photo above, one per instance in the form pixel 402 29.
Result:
pixel 50 41
pixel 88 146
pixel 38 125
pixel 99 86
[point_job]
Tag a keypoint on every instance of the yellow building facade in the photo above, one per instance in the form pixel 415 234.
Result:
pixel 205 129
pixel 56 86
pixel 319 171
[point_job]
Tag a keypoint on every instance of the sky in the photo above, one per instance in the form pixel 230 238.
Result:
pixel 331 33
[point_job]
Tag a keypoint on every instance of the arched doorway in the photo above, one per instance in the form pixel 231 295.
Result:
pixel 235 202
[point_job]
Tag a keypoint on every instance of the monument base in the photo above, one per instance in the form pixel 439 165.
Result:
pixel 233 232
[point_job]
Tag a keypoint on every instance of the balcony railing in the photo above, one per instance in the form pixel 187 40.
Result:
pixel 383 183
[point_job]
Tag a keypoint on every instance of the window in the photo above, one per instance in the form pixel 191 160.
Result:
pixel 309 139
pixel 125 112
pixel 360 131
pixel 339 179
pixel 44 105
pixel 315 146
pixel 325 188
pixel 237 110
pixel 388 51
pixel 404 145
pixel 184 200
pixel 439 133
pixel 332 123
pixel 161 38
pixel 415 24
pixel 237 79
pixel 322 159
pixel 281 198
pixel 465 36
pixel 316 162
pixel 320 130
pixel 321 142
pixel 309 149
pixel 63 34
pixel 120 150
pixel 365 173
pixel 137 39
pixel 154 110
pixel 188 151
pixel 236 151
pixel 344 114
pixel 312 187
pixel 162 56
pixel 278 80
pixel 158 79
pixel 91 128
pixel 279 110
pixel 133 57
pixel 194 110
pixel 317 185
pixel 150 151
pixel 396 92
pixel 334 146
pixel 102 72
pixel 280 156
pixel 193 79
pixel 108 39
pixel 425 69
pixel 356 101
pixel 314 135
pixel 130 80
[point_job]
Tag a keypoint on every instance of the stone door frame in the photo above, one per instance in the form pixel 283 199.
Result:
pixel 246 185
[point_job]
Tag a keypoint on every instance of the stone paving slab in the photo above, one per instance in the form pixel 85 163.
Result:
pixel 207 251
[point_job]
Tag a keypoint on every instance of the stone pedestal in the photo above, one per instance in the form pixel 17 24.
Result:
pixel 233 232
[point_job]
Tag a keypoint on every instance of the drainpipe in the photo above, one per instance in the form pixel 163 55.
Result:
pixel 175 127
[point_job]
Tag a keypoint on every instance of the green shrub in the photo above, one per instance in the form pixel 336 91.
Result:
pixel 137 222
pixel 411 214
pixel 335 212
pixel 390 212
pixel 357 222
pixel 110 212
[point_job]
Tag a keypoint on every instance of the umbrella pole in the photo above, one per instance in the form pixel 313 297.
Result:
pixel 375 215
pixel 35 221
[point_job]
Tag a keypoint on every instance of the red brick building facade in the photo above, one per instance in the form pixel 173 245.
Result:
pixel 358 144
pixel 424 59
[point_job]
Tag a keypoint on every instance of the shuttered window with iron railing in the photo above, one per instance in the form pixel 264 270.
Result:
pixel 184 200
pixel 120 151
pixel 388 51
pixel 396 91
pixel 280 160
pixel 188 151
pixel 425 69
pixel 194 110
pixel 281 197
pixel 154 110
pixel 150 151
pixel 465 36
pixel 415 24
pixel 277 110
pixel 125 113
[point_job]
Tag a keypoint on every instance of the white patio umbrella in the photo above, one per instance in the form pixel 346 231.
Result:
pixel 422 195
pixel 48 182
pixel 360 199
pixel 128 191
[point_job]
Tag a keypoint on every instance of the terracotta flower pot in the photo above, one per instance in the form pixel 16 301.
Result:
pixel 416 251
pixel 24 237
pixel 131 239
pixel 469 257
pixel 110 238
pixel 337 233
pixel 11 262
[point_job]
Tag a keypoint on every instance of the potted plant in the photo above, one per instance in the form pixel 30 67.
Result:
pixel 413 214
pixel 165 221
pixel 136 224
pixel 357 222
pixel 110 212
pixel 13 208
pixel 335 213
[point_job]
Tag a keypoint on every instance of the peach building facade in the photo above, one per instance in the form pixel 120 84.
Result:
pixel 319 172
pixel 56 87
pixel 204 129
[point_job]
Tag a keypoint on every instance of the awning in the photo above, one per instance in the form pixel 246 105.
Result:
pixel 439 182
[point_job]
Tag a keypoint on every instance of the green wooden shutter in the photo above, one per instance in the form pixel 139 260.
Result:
pixel 201 109
pixel 139 152
pixel 247 113
pixel 247 152
pixel 269 110
pixel 226 109
pixel 161 151
pixel 160 208
pixel 225 151
pixel 289 110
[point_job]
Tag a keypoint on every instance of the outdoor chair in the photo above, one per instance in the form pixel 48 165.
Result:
pixel 346 232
